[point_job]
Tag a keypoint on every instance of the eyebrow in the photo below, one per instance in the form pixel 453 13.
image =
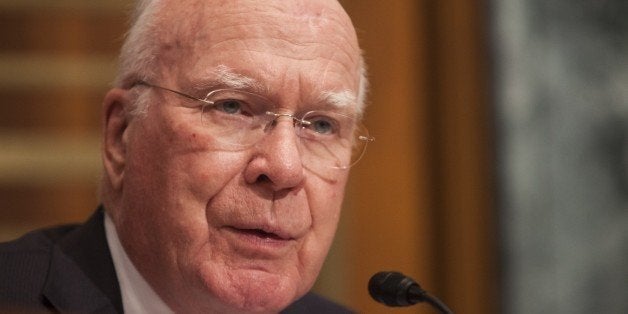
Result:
pixel 224 77
pixel 235 80
pixel 341 99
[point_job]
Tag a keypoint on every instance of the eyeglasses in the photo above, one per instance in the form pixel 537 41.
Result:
pixel 240 119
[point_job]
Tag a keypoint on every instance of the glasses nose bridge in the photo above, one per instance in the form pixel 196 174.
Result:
pixel 274 117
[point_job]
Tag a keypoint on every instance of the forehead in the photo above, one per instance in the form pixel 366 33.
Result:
pixel 278 42
pixel 282 17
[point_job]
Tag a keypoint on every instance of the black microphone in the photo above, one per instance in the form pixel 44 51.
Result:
pixel 396 289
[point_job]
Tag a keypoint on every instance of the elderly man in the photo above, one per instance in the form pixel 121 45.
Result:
pixel 226 147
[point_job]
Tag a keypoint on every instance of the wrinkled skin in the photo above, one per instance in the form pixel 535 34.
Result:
pixel 188 212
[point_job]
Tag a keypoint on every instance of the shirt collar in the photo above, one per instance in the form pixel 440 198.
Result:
pixel 137 295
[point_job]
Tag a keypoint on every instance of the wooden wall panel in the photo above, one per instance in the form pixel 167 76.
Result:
pixel 389 205
pixel 465 194
pixel 422 200
pixel 56 62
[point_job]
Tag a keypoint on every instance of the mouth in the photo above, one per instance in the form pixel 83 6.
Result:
pixel 262 234
pixel 255 242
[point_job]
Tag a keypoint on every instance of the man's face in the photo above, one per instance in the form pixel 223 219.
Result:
pixel 215 229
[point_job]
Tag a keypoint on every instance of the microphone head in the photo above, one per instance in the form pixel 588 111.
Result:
pixel 395 289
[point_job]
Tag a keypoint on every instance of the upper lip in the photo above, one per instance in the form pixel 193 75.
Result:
pixel 272 231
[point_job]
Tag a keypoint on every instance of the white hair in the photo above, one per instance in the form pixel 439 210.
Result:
pixel 139 50
pixel 363 86
pixel 139 55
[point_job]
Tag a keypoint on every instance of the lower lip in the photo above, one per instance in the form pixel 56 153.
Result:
pixel 255 242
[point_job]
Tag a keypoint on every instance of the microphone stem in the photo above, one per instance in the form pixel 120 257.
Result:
pixel 438 304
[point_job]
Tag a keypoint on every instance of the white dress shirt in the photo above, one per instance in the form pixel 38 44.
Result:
pixel 137 295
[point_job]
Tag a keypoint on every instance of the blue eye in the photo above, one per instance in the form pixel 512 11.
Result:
pixel 322 125
pixel 229 106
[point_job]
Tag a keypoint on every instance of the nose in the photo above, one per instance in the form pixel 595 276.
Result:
pixel 276 161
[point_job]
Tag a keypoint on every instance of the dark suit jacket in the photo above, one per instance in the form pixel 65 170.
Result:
pixel 69 269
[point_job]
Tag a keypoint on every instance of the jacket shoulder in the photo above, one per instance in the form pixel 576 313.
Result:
pixel 24 264
pixel 35 241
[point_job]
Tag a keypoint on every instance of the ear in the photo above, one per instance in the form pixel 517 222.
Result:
pixel 115 125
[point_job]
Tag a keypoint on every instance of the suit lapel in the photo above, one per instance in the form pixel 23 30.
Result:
pixel 82 277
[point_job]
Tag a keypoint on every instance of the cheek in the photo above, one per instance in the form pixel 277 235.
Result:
pixel 328 200
pixel 326 204
pixel 181 162
pixel 172 176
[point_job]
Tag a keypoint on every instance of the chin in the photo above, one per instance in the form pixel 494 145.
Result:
pixel 253 291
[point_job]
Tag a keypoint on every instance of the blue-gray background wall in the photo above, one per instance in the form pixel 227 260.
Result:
pixel 561 82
